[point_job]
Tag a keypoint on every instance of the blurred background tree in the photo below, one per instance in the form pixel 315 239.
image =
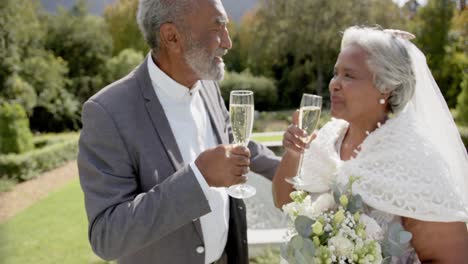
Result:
pixel 30 74
pixel 121 20
pixel 50 63
pixel 296 42
pixel 83 40
pixel 440 32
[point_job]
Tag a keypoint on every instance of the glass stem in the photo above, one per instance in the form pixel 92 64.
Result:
pixel 299 168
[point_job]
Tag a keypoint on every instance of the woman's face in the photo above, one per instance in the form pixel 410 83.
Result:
pixel 353 94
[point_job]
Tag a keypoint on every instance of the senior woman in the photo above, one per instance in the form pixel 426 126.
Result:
pixel 391 128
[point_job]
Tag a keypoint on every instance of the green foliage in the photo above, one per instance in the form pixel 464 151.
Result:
pixel 296 42
pixel 84 42
pixel 432 27
pixel 121 20
pixel 464 135
pixel 121 65
pixel 264 89
pixel 15 136
pixel 25 166
pixel 462 104
pixel 269 256
pixel 56 108
pixel 7 184
pixel 29 74
pixel 18 91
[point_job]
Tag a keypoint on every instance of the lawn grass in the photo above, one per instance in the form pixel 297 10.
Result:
pixel 53 230
pixel 274 138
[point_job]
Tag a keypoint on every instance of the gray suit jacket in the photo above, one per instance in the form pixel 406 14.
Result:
pixel 143 203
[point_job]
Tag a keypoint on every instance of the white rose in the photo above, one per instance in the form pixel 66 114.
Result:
pixel 343 246
pixel 373 229
pixel 294 209
pixel 323 203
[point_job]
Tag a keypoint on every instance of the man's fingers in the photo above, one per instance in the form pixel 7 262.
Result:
pixel 240 160
pixel 240 180
pixel 240 150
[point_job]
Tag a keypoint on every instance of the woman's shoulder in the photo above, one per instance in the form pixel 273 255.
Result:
pixel 332 129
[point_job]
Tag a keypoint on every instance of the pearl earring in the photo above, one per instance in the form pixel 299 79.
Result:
pixel 382 101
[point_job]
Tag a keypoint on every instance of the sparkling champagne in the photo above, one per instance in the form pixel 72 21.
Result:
pixel 308 119
pixel 242 122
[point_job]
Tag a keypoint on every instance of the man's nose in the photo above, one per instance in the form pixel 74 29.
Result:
pixel 226 42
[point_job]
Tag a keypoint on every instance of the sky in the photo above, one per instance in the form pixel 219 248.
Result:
pixel 402 2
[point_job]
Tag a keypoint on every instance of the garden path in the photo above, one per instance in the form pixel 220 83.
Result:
pixel 27 193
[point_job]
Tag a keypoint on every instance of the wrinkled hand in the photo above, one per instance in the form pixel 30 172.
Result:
pixel 293 138
pixel 224 165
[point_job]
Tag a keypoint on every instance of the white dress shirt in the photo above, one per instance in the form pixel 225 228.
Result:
pixel 193 132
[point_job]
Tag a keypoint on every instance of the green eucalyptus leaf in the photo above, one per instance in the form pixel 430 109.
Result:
pixel 387 260
pixel 405 237
pixel 296 242
pixel 336 194
pixel 303 225
pixel 396 242
pixel 308 250
pixel 300 259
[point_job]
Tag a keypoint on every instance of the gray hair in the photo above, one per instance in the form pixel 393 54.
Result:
pixel 153 13
pixel 388 60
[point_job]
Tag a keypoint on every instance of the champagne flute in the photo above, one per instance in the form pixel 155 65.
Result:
pixel 309 116
pixel 241 110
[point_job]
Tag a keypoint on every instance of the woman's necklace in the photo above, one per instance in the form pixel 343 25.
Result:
pixel 356 148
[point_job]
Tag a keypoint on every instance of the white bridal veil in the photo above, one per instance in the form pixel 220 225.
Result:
pixel 433 113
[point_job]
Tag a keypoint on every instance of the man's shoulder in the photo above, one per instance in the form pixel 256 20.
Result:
pixel 122 91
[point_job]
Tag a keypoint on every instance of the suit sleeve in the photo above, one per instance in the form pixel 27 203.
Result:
pixel 122 218
pixel 263 161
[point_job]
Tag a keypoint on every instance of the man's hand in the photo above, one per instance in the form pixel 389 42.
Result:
pixel 224 165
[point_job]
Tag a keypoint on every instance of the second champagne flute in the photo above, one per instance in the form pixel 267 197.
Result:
pixel 241 111
pixel 309 116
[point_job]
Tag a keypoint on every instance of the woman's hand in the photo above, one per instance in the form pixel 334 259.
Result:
pixel 293 138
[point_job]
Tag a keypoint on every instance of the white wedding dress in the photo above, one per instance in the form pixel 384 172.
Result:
pixel 400 173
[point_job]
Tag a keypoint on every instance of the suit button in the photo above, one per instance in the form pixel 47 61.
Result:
pixel 200 250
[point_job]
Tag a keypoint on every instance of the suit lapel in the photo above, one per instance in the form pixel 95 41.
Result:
pixel 161 124
pixel 209 105
pixel 158 117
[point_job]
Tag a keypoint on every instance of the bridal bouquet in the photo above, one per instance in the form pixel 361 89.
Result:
pixel 334 229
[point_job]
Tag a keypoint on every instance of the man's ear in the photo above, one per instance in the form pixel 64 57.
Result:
pixel 171 37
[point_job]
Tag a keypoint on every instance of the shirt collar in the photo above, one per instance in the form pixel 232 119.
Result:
pixel 169 86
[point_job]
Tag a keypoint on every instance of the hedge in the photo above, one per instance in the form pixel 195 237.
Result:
pixel 15 135
pixel 55 152
pixel 265 94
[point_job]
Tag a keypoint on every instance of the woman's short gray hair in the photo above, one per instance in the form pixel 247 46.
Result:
pixel 388 60
pixel 153 13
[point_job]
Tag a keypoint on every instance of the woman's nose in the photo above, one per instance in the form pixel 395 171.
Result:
pixel 334 84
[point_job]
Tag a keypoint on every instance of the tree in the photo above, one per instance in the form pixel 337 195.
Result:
pixel 462 106
pixel 30 75
pixel 432 26
pixel 83 41
pixel 297 41
pixel 121 20
pixel 122 64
